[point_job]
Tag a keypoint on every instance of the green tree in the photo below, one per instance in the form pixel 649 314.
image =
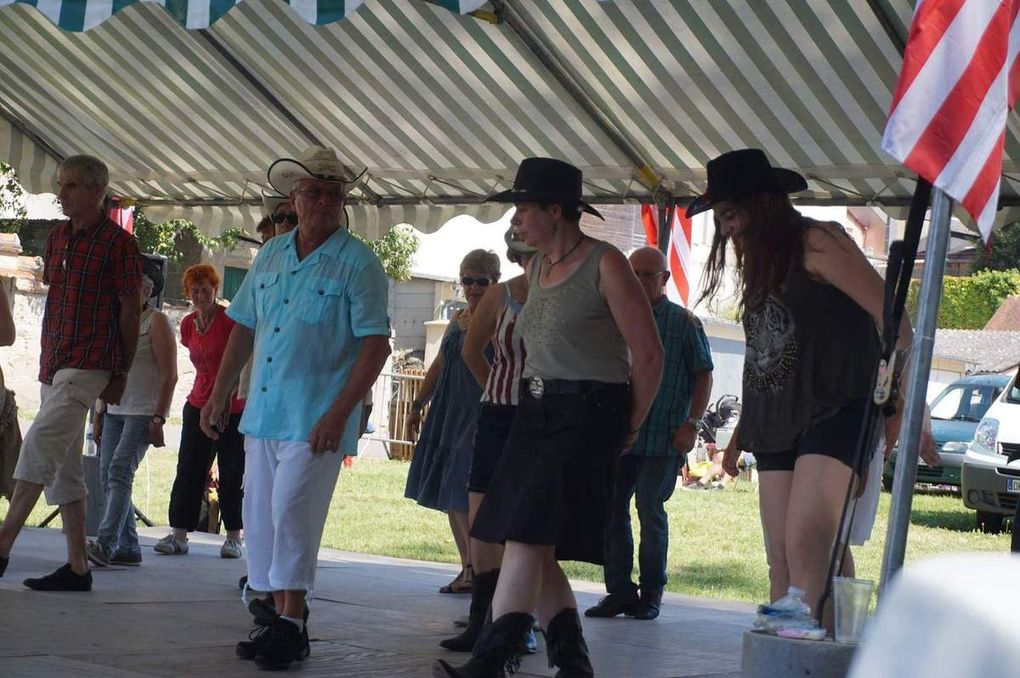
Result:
pixel 968 303
pixel 396 251
pixel 1004 252
pixel 12 200
pixel 164 238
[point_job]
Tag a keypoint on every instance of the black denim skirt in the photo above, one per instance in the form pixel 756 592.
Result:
pixel 554 481
pixel 494 423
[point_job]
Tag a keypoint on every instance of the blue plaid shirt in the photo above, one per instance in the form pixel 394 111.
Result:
pixel 685 353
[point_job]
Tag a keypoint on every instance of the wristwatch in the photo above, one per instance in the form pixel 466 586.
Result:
pixel 695 422
pixel 158 419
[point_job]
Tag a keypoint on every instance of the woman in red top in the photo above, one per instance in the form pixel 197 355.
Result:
pixel 204 332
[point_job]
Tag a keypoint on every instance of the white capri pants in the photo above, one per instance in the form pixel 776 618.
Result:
pixel 287 491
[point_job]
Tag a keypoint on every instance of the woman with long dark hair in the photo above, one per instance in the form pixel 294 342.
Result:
pixel 811 307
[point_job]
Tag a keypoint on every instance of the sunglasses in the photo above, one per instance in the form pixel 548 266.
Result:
pixel 278 217
pixel 481 282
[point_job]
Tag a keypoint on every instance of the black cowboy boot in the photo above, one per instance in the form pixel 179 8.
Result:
pixel 482 591
pixel 565 645
pixel 497 653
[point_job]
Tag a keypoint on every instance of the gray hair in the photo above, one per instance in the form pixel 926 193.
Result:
pixel 92 170
pixel 482 260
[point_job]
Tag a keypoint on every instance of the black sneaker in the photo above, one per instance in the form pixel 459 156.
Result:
pixel 64 579
pixel 247 649
pixel 125 558
pixel 612 605
pixel 286 644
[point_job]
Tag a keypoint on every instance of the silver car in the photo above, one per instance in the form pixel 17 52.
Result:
pixel 990 480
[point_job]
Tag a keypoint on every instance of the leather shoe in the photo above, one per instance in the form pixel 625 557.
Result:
pixel 612 605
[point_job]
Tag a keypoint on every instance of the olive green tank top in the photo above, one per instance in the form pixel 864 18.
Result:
pixel 568 330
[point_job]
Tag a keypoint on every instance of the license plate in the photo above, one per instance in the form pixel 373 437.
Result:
pixel 1013 485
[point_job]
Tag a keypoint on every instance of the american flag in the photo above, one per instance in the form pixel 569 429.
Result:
pixel 959 81
pixel 678 256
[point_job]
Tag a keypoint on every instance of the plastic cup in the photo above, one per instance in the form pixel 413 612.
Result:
pixel 852 598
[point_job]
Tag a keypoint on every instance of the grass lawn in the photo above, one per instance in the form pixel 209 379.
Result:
pixel 715 546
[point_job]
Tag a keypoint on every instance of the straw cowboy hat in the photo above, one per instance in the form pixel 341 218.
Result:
pixel 315 162
pixel 546 180
pixel 737 175
pixel 514 242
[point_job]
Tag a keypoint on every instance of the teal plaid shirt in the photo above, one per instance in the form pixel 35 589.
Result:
pixel 685 353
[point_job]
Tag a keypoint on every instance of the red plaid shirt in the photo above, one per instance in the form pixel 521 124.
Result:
pixel 86 271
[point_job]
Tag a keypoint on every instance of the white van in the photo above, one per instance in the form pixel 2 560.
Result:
pixel 990 482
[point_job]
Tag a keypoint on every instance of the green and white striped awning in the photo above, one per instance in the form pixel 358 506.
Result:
pixel 190 101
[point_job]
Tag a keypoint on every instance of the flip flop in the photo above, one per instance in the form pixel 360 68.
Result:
pixel 460 584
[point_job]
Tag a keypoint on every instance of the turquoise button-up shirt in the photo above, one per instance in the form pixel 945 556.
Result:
pixel 309 319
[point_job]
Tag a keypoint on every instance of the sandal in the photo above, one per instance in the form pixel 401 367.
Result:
pixel 461 583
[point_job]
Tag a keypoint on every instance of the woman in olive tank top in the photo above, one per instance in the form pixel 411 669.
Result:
pixel 592 366
pixel 812 307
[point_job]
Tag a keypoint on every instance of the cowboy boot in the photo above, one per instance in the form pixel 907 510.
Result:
pixel 482 591
pixel 496 654
pixel 565 645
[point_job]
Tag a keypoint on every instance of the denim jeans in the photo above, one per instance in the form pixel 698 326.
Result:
pixel 650 481
pixel 124 443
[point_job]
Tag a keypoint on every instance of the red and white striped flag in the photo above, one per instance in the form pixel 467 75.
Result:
pixel 959 81
pixel 678 256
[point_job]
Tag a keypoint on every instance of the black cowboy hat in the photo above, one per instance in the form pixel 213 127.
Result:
pixel 737 175
pixel 546 180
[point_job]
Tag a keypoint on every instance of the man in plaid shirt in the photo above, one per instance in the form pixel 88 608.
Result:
pixel 90 332
pixel 648 470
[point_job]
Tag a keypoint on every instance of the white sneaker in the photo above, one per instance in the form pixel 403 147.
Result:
pixel 231 549
pixel 169 546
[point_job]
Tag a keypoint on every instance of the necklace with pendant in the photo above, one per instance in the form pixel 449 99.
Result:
pixel 577 244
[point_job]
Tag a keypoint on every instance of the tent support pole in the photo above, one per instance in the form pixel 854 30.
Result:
pixel 916 386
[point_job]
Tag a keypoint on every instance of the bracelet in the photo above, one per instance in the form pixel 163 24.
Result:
pixel 157 419
pixel 694 421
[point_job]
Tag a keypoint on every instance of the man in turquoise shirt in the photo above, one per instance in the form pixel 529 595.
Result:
pixel 313 310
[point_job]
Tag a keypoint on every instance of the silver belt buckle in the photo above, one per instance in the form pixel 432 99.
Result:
pixel 536 387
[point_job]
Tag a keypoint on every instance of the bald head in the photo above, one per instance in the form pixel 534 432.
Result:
pixel 649 266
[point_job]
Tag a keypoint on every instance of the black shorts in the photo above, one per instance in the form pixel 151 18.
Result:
pixel 834 437
pixel 490 438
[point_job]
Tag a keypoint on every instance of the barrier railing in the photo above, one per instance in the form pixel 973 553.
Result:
pixel 392 396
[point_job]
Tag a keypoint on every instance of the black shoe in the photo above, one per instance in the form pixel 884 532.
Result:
pixel 648 606
pixel 286 644
pixel 125 558
pixel 612 605
pixel 247 649
pixel 242 581
pixel 3 565
pixel 64 579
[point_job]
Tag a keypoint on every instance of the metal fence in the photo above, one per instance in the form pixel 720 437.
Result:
pixel 392 396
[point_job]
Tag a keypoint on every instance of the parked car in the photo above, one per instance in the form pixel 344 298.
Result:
pixel 991 467
pixel 955 414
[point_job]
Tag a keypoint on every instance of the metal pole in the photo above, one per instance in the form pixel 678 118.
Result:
pixel 916 387
pixel 665 210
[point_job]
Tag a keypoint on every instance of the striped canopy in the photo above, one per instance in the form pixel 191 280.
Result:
pixel 189 101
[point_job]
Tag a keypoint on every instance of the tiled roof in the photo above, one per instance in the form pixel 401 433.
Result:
pixel 987 351
pixel 1007 317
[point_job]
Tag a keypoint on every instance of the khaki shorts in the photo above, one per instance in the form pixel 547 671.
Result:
pixel 51 452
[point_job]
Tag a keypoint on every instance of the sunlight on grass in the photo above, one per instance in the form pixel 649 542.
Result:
pixel 716 547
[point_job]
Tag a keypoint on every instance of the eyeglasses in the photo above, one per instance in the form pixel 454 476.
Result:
pixel 481 282
pixel 317 194
pixel 279 217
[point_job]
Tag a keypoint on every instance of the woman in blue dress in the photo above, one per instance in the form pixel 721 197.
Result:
pixel 438 477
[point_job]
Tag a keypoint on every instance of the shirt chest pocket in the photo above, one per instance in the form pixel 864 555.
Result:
pixel 322 300
pixel 267 293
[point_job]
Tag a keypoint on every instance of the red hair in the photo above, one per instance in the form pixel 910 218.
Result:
pixel 198 274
